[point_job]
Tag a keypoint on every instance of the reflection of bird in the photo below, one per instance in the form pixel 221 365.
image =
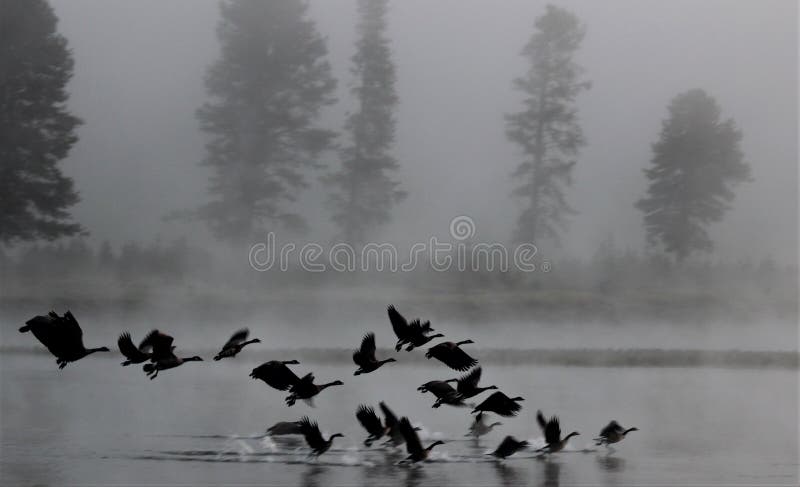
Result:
pixel 134 354
pixel 276 374
pixel 406 332
pixel 552 434
pixel 479 427
pixel 62 335
pixel 444 392
pixel 283 428
pixel 612 433
pixel 414 447
pixel 305 389
pixel 611 463
pixel 364 357
pixel 163 358
pixel 552 474
pixel 450 354
pixel 501 404
pixel 235 344
pixel 508 447
pixel 468 383
pixel 314 438
pixel 372 423
pixel 508 475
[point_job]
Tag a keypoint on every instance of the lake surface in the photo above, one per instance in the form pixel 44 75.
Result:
pixel 96 423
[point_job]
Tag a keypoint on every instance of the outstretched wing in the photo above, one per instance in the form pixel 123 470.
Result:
pixel 366 353
pixel 147 341
pixel 452 356
pixel 442 390
pixel 311 432
pixel 399 323
pixel 237 338
pixel 552 433
pixel 470 380
pixel 413 445
pixel 71 332
pixel 509 446
pixel 369 420
pixel 275 374
pixel 129 350
pixel 161 343
pixel 541 421
pixel 390 418
pixel 611 428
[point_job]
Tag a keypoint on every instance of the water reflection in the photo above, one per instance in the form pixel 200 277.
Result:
pixel 415 476
pixel 507 476
pixel 552 474
pixel 611 463
pixel 312 476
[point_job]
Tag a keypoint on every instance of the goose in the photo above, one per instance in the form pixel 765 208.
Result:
pixel 403 330
pixel 552 434
pixel 393 426
pixel 134 354
pixel 305 389
pixel 276 374
pixel 612 433
pixel 508 447
pixel 468 383
pixel 163 357
pixel 364 357
pixel 413 446
pixel 285 428
pixel 451 355
pixel 235 344
pixel 444 392
pixel 62 335
pixel 372 423
pixel 479 427
pixel 417 338
pixel 500 404
pixel 314 438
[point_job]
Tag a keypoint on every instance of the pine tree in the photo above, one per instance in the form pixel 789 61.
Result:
pixel 547 129
pixel 267 91
pixel 36 129
pixel 696 161
pixel 365 190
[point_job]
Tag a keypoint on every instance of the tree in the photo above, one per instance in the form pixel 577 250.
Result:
pixel 366 191
pixel 36 129
pixel 696 161
pixel 547 129
pixel 267 90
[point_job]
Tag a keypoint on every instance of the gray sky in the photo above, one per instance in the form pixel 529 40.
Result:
pixel 139 79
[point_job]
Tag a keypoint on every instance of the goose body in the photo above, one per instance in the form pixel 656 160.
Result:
pixel 62 335
pixel 364 357
pixel 305 389
pixel 444 392
pixel 276 374
pixel 163 357
pixel 407 333
pixel 451 354
pixel 552 434
pixel 508 447
pixel 501 404
pixel 235 344
pixel 372 423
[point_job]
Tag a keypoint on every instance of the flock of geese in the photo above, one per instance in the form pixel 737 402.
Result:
pixel 63 337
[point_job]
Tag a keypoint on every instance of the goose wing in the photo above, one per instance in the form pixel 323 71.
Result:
pixel 552 432
pixel 161 343
pixel 500 404
pixel 275 374
pixel 469 382
pixel 389 418
pixel 71 333
pixel 45 329
pixel 369 420
pixel 236 338
pixel 147 342
pixel 285 428
pixel 442 390
pixel 129 350
pixel 311 432
pixel 413 445
pixel 611 428
pixel 366 353
pixel 399 323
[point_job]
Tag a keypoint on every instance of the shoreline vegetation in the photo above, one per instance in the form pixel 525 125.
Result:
pixel 567 357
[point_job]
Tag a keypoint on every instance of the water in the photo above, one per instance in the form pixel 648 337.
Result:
pixel 96 423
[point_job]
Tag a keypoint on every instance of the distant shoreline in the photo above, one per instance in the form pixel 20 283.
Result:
pixel 569 357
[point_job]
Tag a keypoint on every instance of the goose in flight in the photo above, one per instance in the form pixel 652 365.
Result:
pixel 163 357
pixel 285 428
pixel 364 357
pixel 444 392
pixel 405 331
pixel 62 335
pixel 134 354
pixel 508 447
pixel 501 404
pixel 313 436
pixel 450 354
pixel 416 453
pixel 612 433
pixel 479 427
pixel 552 434
pixel 276 374
pixel 468 383
pixel 235 344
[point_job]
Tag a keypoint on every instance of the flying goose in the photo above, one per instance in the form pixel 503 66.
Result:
pixel 235 344
pixel 444 392
pixel 468 383
pixel 612 433
pixel 163 357
pixel 305 389
pixel 134 354
pixel 552 434
pixel 508 447
pixel 479 427
pixel 450 354
pixel 364 357
pixel 276 374
pixel 500 404
pixel 413 446
pixel 314 438
pixel 62 335
pixel 404 331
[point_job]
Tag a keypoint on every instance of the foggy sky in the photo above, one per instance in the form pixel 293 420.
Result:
pixel 139 79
